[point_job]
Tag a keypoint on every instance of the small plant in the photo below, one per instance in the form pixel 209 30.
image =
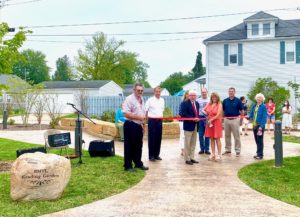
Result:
pixel 108 116
pixel 95 117
pixel 168 113
pixel 54 122
pixel 11 121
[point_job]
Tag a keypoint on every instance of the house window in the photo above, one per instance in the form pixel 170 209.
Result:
pixel 255 29
pixel 233 54
pixel 266 29
pixel 290 51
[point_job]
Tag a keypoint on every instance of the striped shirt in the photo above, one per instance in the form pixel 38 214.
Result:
pixel 134 106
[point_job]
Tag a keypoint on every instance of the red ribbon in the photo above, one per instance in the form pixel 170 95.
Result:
pixel 192 119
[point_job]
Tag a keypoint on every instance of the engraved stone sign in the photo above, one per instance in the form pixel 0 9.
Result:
pixel 39 176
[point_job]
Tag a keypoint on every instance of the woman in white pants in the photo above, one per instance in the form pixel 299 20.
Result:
pixel 287 117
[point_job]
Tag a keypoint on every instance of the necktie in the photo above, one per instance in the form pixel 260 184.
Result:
pixel 194 108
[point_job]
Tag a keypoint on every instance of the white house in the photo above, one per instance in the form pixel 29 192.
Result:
pixel 196 84
pixel 70 91
pixel 261 46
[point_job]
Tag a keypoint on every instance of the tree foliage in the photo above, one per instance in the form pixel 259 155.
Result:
pixel 9 48
pixel 33 67
pixel 198 70
pixel 63 70
pixel 103 59
pixel 270 89
pixel 175 82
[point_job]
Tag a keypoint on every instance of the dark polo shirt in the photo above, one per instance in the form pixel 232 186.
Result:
pixel 232 107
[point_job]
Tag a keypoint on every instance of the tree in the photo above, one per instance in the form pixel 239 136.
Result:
pixel 81 97
pixel 140 74
pixel 53 108
pixel 270 89
pixel 38 108
pixel 33 67
pixel 63 69
pixel 103 59
pixel 9 48
pixel 174 82
pixel 198 70
pixel 24 96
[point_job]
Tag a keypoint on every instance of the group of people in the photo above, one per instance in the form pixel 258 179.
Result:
pixel 199 118
pixel 203 117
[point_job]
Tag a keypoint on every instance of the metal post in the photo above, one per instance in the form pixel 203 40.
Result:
pixel 4 122
pixel 5 114
pixel 278 144
pixel 78 137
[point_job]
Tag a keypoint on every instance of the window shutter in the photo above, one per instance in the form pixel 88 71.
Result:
pixel 282 52
pixel 225 54
pixel 240 54
pixel 297 52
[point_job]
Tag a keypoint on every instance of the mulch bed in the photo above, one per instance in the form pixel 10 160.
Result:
pixel 5 166
pixel 17 127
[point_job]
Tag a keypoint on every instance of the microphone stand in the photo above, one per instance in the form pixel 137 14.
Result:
pixel 78 133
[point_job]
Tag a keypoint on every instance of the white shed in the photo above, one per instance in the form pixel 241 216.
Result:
pixel 70 91
pixel 196 84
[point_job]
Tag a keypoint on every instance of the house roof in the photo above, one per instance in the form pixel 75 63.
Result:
pixel 260 16
pixel 284 28
pixel 75 84
pixel 200 80
pixel 128 89
pixel 5 79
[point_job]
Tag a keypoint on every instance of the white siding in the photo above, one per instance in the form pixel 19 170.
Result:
pixel 110 89
pixel 261 59
pixel 69 96
pixel 192 86
pixel 63 97
pixel 165 92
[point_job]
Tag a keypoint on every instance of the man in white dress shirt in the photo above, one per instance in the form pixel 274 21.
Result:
pixel 155 107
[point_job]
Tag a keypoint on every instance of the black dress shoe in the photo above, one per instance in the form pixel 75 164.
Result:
pixel 129 169
pixel 158 158
pixel 152 159
pixel 189 162
pixel 207 152
pixel 194 161
pixel 142 168
pixel 201 152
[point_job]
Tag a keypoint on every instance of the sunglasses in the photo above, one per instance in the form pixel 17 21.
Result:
pixel 140 91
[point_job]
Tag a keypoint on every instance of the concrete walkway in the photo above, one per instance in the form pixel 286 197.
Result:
pixel 172 188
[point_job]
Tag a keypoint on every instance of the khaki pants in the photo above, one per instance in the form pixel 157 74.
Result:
pixel 232 126
pixel 190 138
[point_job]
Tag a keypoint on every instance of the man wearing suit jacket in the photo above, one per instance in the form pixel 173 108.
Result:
pixel 189 109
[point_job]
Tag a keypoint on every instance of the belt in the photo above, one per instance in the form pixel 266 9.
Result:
pixel 232 118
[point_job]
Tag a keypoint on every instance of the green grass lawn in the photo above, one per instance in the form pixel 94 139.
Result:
pixel 96 179
pixel 73 115
pixel 292 139
pixel 280 183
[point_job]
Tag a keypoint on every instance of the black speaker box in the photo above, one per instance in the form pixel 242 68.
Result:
pixel 102 148
pixel 31 150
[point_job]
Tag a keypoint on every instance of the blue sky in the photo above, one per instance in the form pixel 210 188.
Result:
pixel 164 58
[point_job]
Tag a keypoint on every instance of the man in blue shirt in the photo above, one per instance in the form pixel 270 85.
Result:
pixel 233 108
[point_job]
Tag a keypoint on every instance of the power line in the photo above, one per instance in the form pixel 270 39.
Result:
pixel 159 20
pixel 137 41
pixel 20 3
pixel 157 33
